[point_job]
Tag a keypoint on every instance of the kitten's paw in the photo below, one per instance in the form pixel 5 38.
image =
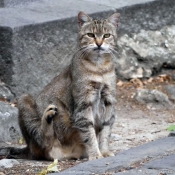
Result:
pixel 50 112
pixel 107 153
pixel 98 156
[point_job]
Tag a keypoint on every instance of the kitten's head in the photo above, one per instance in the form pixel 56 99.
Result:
pixel 97 35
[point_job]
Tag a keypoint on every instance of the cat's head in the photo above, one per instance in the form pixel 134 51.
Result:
pixel 97 35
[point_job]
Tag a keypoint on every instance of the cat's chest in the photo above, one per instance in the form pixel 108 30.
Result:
pixel 102 79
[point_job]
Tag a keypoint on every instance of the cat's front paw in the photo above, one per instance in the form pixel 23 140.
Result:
pixel 93 157
pixel 50 112
pixel 107 153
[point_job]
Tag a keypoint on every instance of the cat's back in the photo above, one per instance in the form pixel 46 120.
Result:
pixel 59 89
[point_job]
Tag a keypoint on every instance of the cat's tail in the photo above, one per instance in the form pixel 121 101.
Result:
pixel 14 153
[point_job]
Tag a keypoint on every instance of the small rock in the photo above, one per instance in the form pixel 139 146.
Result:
pixel 153 98
pixel 115 137
pixel 171 134
pixel 8 163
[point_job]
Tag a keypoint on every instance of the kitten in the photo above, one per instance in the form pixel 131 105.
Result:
pixel 74 114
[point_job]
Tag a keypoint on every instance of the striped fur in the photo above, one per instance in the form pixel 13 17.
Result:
pixel 74 114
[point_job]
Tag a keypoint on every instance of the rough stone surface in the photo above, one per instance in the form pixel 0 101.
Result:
pixel 145 171
pixel 12 3
pixel 144 54
pixel 153 98
pixel 5 93
pixel 9 130
pixel 124 159
pixel 8 163
pixel 171 91
pixel 35 49
pixel 173 77
pixel 163 163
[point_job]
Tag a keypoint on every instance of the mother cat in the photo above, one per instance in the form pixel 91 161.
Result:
pixel 74 114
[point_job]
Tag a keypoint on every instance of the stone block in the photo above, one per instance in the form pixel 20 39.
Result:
pixel 39 39
pixel 12 3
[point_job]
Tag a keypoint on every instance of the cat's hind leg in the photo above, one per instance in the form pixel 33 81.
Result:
pixel 37 130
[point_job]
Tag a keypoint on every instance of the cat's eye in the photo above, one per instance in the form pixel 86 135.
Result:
pixel 91 35
pixel 107 35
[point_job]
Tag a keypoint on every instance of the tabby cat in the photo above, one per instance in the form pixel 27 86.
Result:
pixel 74 114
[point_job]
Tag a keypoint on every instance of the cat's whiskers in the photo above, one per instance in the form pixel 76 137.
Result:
pixel 112 54
pixel 111 48
pixel 85 53
pixel 113 51
pixel 81 52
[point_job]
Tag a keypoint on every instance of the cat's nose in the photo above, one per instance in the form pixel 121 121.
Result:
pixel 98 43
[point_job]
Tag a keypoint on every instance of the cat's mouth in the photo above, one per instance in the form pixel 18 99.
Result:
pixel 99 49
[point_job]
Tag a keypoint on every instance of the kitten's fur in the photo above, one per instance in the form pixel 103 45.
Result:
pixel 74 114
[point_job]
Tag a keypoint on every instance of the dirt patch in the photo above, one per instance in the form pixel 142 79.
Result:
pixel 27 167
pixel 136 123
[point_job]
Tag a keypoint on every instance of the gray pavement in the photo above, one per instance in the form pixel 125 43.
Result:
pixel 152 158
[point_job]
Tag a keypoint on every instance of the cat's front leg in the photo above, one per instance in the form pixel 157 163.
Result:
pixel 83 121
pixel 91 144
pixel 105 133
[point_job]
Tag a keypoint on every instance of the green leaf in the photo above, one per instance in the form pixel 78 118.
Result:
pixel 52 168
pixel 21 141
pixel 43 172
pixel 171 128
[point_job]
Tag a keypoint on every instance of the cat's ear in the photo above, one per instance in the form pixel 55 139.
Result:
pixel 82 18
pixel 114 19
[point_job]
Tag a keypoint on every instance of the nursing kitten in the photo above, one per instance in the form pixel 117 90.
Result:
pixel 74 114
